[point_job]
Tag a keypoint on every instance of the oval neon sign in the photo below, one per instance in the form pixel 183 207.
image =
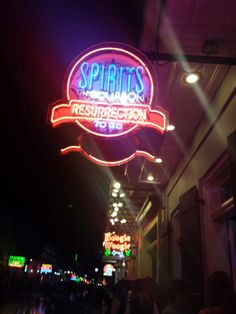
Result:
pixel 109 93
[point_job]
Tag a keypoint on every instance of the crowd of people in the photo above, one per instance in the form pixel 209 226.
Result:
pixel 140 296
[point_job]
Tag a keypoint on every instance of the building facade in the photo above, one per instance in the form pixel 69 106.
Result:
pixel 194 232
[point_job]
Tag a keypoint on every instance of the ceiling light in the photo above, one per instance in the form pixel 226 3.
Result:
pixel 192 78
pixel 122 194
pixel 114 214
pixel 114 205
pixel 120 204
pixel 114 194
pixel 123 221
pixel 170 127
pixel 150 177
pixel 116 185
pixel 158 160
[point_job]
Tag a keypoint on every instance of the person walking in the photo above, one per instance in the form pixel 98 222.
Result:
pixel 178 294
pixel 143 297
pixel 221 298
pixel 120 298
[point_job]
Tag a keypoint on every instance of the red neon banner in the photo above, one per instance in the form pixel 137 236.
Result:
pixel 116 242
pixel 80 110
pixel 79 149
pixel 116 238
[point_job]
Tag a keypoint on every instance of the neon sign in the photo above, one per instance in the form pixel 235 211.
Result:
pixel 109 120
pixel 16 261
pixel 109 93
pixel 108 269
pixel 46 268
pixel 117 245
pixel 138 153
pixel 76 278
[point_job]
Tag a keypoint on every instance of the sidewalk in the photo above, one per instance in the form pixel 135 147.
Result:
pixel 9 307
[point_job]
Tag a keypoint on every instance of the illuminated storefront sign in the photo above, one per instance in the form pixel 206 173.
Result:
pixel 109 93
pixel 108 269
pixel 46 268
pixel 117 245
pixel 108 120
pixel 76 278
pixel 16 261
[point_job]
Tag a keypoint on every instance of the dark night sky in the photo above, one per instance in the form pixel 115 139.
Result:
pixel 46 197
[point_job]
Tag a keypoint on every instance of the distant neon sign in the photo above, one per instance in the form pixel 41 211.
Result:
pixel 108 269
pixel 109 93
pixel 117 245
pixel 46 268
pixel 16 261
pixel 76 278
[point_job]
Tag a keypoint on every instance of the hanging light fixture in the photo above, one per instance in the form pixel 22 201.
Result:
pixel 192 78
pixel 170 127
pixel 158 160
pixel 150 177
pixel 117 185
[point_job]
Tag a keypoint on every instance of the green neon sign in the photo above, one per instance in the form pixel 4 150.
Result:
pixel 16 261
pixel 107 252
pixel 128 252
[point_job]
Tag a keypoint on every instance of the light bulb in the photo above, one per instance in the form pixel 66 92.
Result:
pixel 150 177
pixel 192 78
pixel 170 127
pixel 117 185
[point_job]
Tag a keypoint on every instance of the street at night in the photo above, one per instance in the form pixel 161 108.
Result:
pixel 118 157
